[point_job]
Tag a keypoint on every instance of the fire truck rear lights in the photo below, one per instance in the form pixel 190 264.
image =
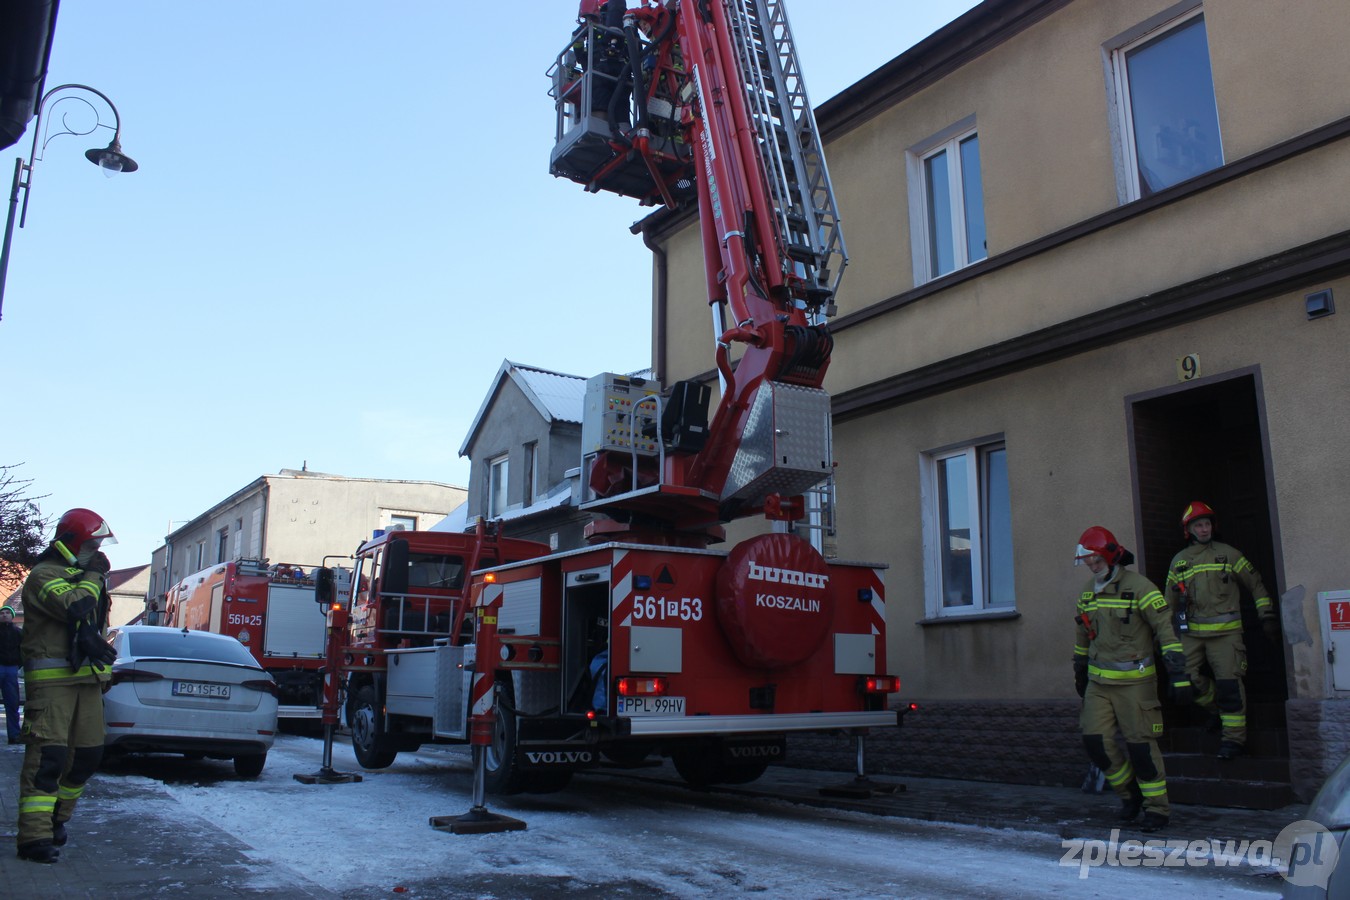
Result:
pixel 642 582
pixel 490 578
pixel 635 687
pixel 881 684
pixel 865 595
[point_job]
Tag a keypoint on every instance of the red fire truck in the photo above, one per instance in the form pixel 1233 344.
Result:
pixel 270 610
pixel 651 640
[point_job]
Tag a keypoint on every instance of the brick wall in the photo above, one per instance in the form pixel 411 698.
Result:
pixel 1028 742
pixel 1319 738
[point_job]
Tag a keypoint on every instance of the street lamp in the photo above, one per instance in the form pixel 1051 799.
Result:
pixel 110 159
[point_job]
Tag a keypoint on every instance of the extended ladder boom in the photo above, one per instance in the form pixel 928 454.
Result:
pixel 722 113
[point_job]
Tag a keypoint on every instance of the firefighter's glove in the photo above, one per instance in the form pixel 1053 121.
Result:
pixel 98 564
pixel 1183 693
pixel 1271 626
pixel 89 646
pixel 80 610
pixel 1080 675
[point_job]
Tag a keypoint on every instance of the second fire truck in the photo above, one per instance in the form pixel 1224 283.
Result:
pixel 270 610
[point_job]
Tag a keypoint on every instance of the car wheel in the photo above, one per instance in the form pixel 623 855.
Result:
pixel 250 765
pixel 369 743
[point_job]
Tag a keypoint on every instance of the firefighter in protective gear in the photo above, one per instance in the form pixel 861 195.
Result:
pixel 1203 586
pixel 66 661
pixel 1120 616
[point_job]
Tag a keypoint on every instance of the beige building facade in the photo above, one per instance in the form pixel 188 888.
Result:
pixel 298 517
pixel 1095 253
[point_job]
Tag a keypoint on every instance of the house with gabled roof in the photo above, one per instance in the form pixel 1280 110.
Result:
pixel 524 450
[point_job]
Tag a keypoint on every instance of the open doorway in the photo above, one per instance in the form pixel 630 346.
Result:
pixel 1206 440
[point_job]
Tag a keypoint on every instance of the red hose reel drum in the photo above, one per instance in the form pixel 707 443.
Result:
pixel 774 600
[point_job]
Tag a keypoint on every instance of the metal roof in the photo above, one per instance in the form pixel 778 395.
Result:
pixel 563 396
pixel 558 397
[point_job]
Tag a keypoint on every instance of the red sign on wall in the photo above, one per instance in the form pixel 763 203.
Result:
pixel 1340 615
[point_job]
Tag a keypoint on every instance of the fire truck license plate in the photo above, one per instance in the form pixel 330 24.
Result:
pixel 201 689
pixel 651 706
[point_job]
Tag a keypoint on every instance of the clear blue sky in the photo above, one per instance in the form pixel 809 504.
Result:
pixel 343 223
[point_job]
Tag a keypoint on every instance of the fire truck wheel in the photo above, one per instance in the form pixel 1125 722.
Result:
pixel 743 773
pixel 699 766
pixel 369 742
pixel 250 765
pixel 502 774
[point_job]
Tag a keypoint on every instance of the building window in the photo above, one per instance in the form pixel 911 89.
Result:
pixel 946 202
pixel 1167 118
pixel 222 544
pixel 403 523
pixel 238 538
pixel 496 504
pixel 967 530
pixel 201 555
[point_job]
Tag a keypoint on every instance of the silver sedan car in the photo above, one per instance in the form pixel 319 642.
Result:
pixel 190 692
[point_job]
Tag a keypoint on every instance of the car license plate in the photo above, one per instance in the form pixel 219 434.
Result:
pixel 201 689
pixel 651 706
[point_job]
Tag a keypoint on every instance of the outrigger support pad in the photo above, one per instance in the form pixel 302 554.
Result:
pixel 477 820
pixel 327 774
pixel 861 787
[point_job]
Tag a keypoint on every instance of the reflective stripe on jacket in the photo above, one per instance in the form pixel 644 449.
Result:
pixel 48 593
pixel 1118 625
pixel 1214 575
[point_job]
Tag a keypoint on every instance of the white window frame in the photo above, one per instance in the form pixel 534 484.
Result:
pixel 974 452
pixel 531 471
pixel 1126 148
pixel 409 522
pixel 949 139
pixel 495 465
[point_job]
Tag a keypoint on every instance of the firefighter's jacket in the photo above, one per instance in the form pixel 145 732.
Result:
pixel 1117 628
pixel 1205 580
pixel 52 587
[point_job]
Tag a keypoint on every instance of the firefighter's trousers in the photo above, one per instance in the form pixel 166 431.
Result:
pixel 1227 658
pixel 1134 710
pixel 63 731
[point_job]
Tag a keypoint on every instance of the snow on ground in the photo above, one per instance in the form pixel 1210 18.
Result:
pixel 601 831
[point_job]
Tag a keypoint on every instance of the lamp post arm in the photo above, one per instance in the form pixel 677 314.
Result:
pixel 33 155
pixel 21 168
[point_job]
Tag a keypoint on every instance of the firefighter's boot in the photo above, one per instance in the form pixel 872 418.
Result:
pixel 1230 750
pixel 59 836
pixel 1131 805
pixel 39 851
pixel 1153 821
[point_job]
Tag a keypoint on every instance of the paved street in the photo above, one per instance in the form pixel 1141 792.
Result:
pixel 196 829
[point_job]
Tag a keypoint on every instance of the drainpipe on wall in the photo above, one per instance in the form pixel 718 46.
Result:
pixel 662 279
pixel 262 536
